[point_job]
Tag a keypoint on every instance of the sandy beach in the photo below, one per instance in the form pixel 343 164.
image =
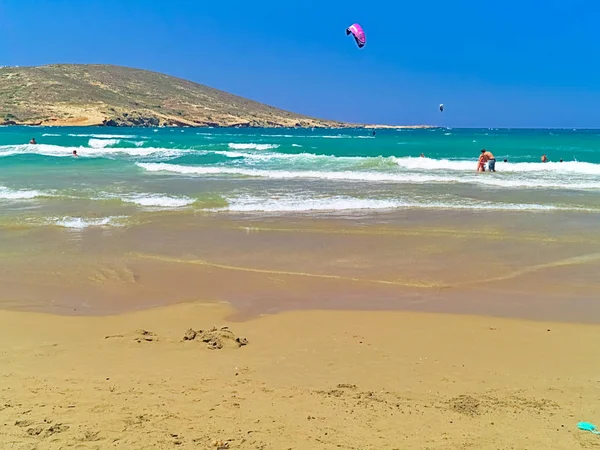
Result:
pixel 303 380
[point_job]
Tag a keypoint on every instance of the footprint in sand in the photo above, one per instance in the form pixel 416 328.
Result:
pixel 216 338
pixel 145 336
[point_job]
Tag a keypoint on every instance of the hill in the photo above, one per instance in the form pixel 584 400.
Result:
pixel 90 94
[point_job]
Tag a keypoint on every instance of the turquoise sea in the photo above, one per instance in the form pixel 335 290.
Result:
pixel 123 172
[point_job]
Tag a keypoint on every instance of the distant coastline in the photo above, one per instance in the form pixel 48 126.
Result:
pixel 60 124
pixel 86 95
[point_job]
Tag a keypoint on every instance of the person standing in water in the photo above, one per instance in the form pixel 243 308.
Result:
pixel 32 141
pixel 491 160
pixel 544 158
pixel 481 163
pixel 486 157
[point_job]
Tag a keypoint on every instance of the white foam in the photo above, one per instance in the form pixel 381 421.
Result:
pixel 427 164
pixel 372 176
pixel 285 174
pixel 344 203
pixel 414 163
pixel 103 143
pixel 299 204
pixel 268 156
pixel 296 145
pixel 50 135
pixel 20 194
pixel 106 136
pixel 80 223
pixel 252 146
pixel 159 201
pixel 60 151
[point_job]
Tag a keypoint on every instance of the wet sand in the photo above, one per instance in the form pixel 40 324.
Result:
pixel 304 380
pixel 537 266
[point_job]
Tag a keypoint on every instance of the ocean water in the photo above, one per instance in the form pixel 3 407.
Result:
pixel 122 174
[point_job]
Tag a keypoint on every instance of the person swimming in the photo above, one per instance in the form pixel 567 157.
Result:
pixel 32 141
pixel 544 158
pixel 422 155
pixel 75 153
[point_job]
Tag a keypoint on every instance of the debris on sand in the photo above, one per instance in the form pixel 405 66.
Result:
pixel 145 336
pixel 53 429
pixel 216 338
pixel 57 428
pixel 190 335
pixel 465 404
pixel 113 336
pixel 35 431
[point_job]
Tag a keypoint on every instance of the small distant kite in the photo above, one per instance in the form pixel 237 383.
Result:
pixel 358 33
pixel 442 107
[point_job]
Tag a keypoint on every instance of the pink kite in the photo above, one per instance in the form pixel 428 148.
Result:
pixel 358 33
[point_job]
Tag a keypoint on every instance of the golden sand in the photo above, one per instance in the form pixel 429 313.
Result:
pixel 305 380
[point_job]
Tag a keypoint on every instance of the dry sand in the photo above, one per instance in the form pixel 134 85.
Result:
pixel 305 380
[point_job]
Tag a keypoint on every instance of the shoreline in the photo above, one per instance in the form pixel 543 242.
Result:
pixel 62 124
pixel 297 382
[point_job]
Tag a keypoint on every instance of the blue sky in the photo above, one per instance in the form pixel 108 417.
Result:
pixel 493 64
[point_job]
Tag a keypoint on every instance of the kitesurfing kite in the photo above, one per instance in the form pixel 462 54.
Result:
pixel 358 33
pixel 442 107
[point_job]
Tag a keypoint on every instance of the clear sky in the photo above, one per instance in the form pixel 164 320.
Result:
pixel 510 63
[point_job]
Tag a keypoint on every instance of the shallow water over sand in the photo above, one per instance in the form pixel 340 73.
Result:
pixel 540 266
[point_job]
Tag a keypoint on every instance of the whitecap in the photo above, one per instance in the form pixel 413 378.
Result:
pixel 159 201
pixel 299 204
pixel 379 176
pixel 106 136
pixel 20 194
pixel 60 151
pixel 103 143
pixel 80 223
pixel 252 146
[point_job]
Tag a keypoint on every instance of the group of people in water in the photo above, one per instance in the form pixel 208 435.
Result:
pixel 487 157
pixel 34 142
